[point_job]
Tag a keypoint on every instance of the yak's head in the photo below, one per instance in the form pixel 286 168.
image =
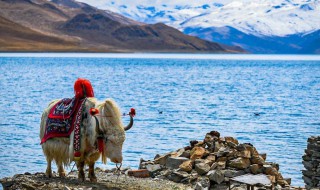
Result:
pixel 112 129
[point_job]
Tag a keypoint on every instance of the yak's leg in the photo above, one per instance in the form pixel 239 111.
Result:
pixel 92 176
pixel 61 171
pixel 49 171
pixel 80 166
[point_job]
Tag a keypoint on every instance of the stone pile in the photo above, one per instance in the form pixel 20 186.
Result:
pixel 212 162
pixel 311 161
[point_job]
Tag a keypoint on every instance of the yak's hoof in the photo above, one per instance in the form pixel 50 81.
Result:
pixel 62 174
pixel 81 177
pixel 93 179
pixel 48 174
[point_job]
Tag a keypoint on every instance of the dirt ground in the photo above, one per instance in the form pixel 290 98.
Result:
pixel 106 181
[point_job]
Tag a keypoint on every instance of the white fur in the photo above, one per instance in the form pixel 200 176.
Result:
pixel 61 149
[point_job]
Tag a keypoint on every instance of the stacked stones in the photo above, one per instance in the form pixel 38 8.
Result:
pixel 311 161
pixel 211 162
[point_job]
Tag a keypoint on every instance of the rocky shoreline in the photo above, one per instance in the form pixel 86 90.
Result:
pixel 214 163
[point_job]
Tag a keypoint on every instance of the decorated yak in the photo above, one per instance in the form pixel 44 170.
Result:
pixel 87 131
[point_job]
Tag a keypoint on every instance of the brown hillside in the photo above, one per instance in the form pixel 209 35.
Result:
pixel 67 25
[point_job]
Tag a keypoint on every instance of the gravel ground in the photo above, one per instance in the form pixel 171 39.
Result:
pixel 106 180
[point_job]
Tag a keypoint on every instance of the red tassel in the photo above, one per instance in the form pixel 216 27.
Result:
pixel 132 112
pixel 83 88
pixel 100 145
pixel 93 111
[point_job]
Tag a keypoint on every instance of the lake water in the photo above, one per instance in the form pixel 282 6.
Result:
pixel 197 94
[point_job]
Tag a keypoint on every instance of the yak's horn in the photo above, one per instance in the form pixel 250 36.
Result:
pixel 130 124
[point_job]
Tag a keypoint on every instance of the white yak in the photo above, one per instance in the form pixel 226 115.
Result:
pixel 108 124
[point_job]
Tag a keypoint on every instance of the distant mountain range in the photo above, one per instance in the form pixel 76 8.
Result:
pixel 67 25
pixel 262 26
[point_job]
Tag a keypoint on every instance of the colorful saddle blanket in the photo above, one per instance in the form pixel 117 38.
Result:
pixel 63 117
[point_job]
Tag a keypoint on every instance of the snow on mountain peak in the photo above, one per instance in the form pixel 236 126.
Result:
pixel 260 18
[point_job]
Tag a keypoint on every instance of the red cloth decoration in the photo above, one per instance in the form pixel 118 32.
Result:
pixel 101 145
pixel 83 88
pixel 93 111
pixel 132 112
pixel 77 154
pixel 60 126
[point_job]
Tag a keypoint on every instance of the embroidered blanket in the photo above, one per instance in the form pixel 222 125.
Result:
pixel 63 118
pixel 64 109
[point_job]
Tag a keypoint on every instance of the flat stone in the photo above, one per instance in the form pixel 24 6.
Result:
pixel 174 163
pixel 240 163
pixel 216 176
pixel 252 179
pixel 202 168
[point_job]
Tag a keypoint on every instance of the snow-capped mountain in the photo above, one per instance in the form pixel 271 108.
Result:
pixel 267 20
pixel 260 17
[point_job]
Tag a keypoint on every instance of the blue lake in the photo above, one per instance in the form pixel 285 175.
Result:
pixel 197 94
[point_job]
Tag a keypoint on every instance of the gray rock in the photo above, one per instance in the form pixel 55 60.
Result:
pixel 233 173
pixel 203 183
pixel 202 168
pixel 174 163
pixel 216 176
pixel 153 168
pixel 307 165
